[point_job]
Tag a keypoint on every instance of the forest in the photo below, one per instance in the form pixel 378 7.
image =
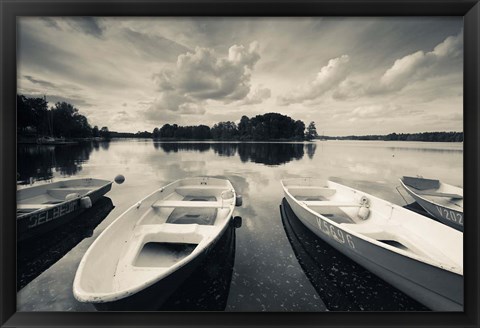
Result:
pixel 63 120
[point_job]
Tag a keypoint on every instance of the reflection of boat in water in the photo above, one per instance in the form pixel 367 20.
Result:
pixel 441 200
pixel 163 239
pixel 36 255
pixel 417 255
pixel 207 288
pixel 341 284
pixel 45 207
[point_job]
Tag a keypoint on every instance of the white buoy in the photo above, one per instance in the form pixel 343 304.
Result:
pixel 86 202
pixel 119 179
pixel 72 196
pixel 363 213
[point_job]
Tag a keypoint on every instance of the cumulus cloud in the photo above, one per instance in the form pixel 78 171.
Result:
pixel 421 65
pixel 257 96
pixel 203 75
pixel 348 89
pixel 328 78
pixel 445 58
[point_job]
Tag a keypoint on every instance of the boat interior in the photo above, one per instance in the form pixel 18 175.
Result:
pixel 379 220
pixel 434 190
pixel 167 227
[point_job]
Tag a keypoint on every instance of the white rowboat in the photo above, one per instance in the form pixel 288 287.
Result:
pixel 147 252
pixel 45 207
pixel 421 257
pixel 441 200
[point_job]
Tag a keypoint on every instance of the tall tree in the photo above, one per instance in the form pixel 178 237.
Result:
pixel 311 131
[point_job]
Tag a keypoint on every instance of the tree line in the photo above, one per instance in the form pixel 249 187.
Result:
pixel 270 126
pixel 425 136
pixel 63 120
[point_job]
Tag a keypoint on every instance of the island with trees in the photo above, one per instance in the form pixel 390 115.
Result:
pixel 265 127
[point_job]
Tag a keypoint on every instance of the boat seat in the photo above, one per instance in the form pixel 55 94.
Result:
pixel 76 189
pixel 188 204
pixel 438 194
pixel 202 187
pixel 330 204
pixel 320 191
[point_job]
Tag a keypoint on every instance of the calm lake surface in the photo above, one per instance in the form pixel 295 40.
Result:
pixel 263 265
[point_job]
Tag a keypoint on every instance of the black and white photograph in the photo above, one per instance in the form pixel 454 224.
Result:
pixel 240 164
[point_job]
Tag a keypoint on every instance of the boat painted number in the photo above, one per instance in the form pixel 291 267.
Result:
pixel 335 233
pixel 52 214
pixel 450 215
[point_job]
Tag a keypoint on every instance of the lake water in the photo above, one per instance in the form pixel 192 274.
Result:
pixel 265 269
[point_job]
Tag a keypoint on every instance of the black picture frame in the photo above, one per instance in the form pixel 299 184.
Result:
pixel 10 10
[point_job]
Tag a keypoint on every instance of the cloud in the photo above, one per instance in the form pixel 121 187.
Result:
pixel 153 45
pixel 329 77
pixel 257 96
pixel 87 25
pixel 444 58
pixel 50 22
pixel 348 89
pixel 42 83
pixel 203 75
pixel 76 101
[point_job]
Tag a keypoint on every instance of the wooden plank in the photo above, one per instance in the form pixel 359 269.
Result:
pixel 188 204
pixel 312 190
pixel 330 203
pixel 72 189
pixel 202 187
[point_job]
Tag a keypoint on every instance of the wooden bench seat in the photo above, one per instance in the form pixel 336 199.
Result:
pixel 188 204
pixel 320 203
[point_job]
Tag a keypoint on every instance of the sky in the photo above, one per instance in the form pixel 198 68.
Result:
pixel 351 76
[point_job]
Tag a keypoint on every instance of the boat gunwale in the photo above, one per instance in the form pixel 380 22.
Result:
pixel 425 260
pixel 105 297
pixel 404 185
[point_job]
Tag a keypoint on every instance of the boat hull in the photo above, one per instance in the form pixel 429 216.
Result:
pixel 445 215
pixel 41 222
pixel 154 296
pixel 437 289
pixel 355 289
